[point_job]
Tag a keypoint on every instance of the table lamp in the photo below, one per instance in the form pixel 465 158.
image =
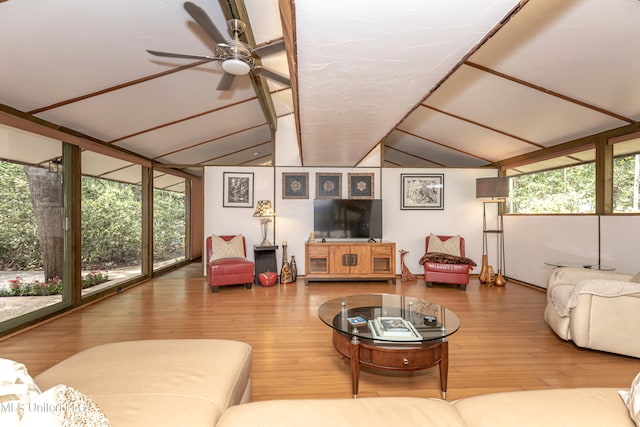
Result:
pixel 265 212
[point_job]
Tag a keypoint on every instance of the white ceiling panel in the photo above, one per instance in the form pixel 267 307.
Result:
pixel 160 142
pixel 585 49
pixel 95 164
pixel 131 174
pixel 246 157
pixel 224 147
pixel 440 155
pixel 537 117
pixel 84 46
pixel 483 143
pixel 152 103
pixel 360 72
pixel 552 72
pixel 26 147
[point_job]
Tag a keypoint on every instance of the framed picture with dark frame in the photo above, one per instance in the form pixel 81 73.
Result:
pixel 328 185
pixel 361 186
pixel 237 191
pixel 295 185
pixel 422 191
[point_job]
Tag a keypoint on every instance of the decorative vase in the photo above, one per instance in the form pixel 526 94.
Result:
pixel 491 276
pixel 484 271
pixel 500 280
pixel 294 269
pixel 285 271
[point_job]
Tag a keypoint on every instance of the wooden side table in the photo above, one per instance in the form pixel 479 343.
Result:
pixel 265 260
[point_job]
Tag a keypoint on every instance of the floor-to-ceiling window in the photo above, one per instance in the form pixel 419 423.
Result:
pixel 169 220
pixel 111 222
pixel 32 282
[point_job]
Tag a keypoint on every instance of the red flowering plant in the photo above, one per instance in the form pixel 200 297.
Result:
pixel 19 287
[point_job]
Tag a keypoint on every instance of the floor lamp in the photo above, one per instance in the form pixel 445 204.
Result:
pixel 493 190
pixel 265 212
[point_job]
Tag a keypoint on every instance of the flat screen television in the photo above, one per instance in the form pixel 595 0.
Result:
pixel 347 218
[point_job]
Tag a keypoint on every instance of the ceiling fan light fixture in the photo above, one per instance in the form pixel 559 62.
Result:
pixel 235 66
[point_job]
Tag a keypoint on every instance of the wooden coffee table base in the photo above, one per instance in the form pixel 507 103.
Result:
pixel 399 357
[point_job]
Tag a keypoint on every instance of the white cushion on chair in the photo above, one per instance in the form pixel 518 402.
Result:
pixel 450 246
pixel 221 248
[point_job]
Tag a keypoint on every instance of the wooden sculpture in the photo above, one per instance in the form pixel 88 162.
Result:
pixel 407 275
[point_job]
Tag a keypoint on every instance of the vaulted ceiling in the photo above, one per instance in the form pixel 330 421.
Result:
pixel 417 83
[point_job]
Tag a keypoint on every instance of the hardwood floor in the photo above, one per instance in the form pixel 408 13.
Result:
pixel 503 343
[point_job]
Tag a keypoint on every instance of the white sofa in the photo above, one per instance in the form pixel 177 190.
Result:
pixel 595 309
pixel 183 382
pixel 187 383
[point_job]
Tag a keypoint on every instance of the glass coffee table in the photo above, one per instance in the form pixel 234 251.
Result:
pixel 391 332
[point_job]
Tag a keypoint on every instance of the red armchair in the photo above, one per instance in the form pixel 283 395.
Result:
pixel 436 272
pixel 232 270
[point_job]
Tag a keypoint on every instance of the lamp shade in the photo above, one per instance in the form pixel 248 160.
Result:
pixel 264 209
pixel 492 188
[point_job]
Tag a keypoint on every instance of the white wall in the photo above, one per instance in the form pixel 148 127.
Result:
pixel 530 240
pixel 620 242
pixel 462 213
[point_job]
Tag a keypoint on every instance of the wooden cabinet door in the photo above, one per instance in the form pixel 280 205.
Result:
pixel 363 262
pixel 339 257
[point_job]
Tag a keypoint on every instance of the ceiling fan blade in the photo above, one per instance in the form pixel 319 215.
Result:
pixel 268 49
pixel 225 82
pixel 264 72
pixel 181 55
pixel 201 17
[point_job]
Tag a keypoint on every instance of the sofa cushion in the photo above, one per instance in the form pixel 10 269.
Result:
pixel 233 248
pixel 141 382
pixel 450 246
pixel 361 412
pixel 631 398
pixel 584 407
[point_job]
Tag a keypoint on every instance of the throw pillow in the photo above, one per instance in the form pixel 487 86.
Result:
pixel 221 248
pixel 17 389
pixel 441 258
pixel 63 406
pixel 450 246
pixel 631 398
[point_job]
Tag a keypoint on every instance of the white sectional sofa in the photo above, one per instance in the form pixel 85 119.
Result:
pixel 189 383
pixel 595 309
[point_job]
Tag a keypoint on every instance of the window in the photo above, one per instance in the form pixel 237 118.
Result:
pixel 626 174
pixel 31 234
pixel 563 184
pixel 111 222
pixel 169 220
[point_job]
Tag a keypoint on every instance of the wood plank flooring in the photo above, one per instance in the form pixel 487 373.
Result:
pixel 502 345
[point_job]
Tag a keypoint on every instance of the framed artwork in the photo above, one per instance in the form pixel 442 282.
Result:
pixel 328 186
pixel 295 185
pixel 361 186
pixel 422 191
pixel 237 189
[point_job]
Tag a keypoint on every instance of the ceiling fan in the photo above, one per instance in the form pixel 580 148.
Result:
pixel 236 57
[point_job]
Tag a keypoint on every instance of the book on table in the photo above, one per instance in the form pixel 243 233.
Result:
pixel 357 321
pixel 395 328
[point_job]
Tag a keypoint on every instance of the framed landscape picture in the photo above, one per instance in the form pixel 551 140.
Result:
pixel 237 190
pixel 328 186
pixel 295 185
pixel 361 186
pixel 422 191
